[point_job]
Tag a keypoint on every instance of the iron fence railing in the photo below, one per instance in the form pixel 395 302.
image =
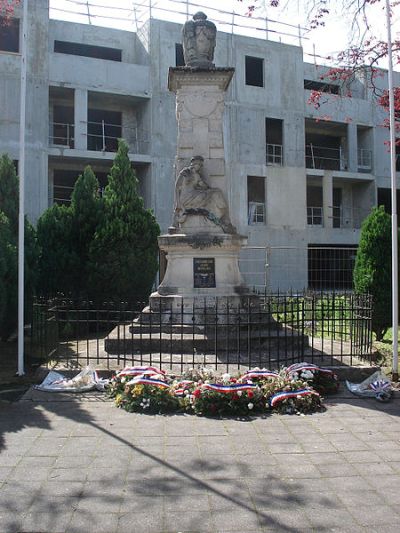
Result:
pixel 267 330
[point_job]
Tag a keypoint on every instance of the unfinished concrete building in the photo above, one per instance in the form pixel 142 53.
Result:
pixel 301 179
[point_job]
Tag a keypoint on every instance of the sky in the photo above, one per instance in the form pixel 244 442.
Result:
pixel 283 23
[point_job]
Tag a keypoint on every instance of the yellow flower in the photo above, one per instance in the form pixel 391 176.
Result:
pixel 118 400
pixel 137 390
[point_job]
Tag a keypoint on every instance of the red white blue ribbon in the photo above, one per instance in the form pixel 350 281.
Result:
pixel 148 381
pixel 183 385
pixel 139 371
pixel 259 374
pixel 286 395
pixel 235 387
pixel 380 385
pixel 299 367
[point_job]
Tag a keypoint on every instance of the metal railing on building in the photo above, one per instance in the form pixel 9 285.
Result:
pixel 62 134
pixel 325 158
pixel 101 136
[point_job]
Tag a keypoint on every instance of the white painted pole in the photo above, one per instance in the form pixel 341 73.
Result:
pixel 21 172
pixel 395 289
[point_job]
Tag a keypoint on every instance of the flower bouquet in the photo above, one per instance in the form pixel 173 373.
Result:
pixel 143 389
pixel 287 396
pixel 323 380
pixel 223 396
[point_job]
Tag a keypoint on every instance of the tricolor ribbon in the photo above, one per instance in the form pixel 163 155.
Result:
pixel 148 381
pixel 139 371
pixel 380 385
pixel 299 367
pixel 183 385
pixel 257 374
pixel 285 395
pixel 235 387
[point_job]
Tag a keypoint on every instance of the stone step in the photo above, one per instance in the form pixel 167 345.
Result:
pixel 119 343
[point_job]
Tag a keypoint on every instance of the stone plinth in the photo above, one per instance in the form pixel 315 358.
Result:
pixel 183 251
pixel 200 95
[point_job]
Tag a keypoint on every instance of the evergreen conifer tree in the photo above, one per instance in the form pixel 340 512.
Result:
pixel 65 234
pixel 9 194
pixel 124 252
pixel 373 269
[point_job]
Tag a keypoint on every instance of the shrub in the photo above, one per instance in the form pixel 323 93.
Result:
pixel 9 195
pixel 65 234
pixel 373 270
pixel 124 250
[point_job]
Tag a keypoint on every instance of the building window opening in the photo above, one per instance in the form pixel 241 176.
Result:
pixel 324 152
pixel 254 67
pixel 364 148
pixel 315 215
pixel 337 217
pixel 104 130
pixel 331 267
pixel 62 132
pixel 274 141
pixel 179 59
pixel 9 35
pixel 321 86
pixel 256 200
pixel 88 50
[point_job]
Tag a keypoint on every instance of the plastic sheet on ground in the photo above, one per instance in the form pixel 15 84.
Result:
pixel 377 386
pixel 86 380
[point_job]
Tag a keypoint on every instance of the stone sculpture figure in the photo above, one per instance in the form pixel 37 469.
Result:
pixel 193 196
pixel 199 36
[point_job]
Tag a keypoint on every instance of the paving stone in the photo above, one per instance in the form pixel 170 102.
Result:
pixel 351 483
pixel 189 521
pixel 93 523
pixel 328 519
pixel 235 520
pixel 284 519
pixel 142 522
pixel 186 502
pixel 301 470
pixel 45 522
pixel 375 515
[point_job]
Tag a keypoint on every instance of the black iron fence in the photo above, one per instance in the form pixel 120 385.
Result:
pixel 268 330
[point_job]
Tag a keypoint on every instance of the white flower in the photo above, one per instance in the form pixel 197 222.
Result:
pixel 123 380
pixel 239 392
pixel 307 374
pixel 226 377
pixel 250 405
pixel 186 392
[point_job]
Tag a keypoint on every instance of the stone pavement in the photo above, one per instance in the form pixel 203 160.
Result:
pixel 78 464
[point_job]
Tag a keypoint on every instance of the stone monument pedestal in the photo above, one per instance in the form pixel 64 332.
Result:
pixel 202 271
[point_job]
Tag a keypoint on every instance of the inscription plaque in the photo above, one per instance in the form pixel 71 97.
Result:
pixel 204 272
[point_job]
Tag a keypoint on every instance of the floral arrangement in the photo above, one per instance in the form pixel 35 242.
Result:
pixel 224 395
pixel 143 389
pixel 323 380
pixel 202 392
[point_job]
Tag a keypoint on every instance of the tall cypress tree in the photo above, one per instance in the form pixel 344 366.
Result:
pixel 9 195
pixel 124 251
pixel 65 234
pixel 373 269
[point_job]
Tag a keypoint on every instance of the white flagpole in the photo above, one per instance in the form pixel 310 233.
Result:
pixel 21 172
pixel 395 304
